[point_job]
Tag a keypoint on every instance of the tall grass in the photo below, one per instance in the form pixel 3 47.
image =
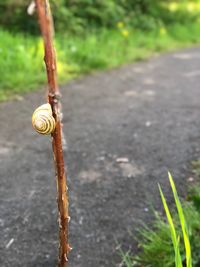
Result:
pixel 22 69
pixel 171 243
pixel 185 233
pixel 174 237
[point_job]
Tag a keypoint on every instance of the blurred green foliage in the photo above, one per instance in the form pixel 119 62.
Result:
pixel 90 35
pixel 22 69
pixel 77 15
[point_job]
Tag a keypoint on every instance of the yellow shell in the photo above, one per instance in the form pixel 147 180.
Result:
pixel 42 120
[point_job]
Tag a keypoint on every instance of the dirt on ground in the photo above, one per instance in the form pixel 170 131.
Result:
pixel 124 129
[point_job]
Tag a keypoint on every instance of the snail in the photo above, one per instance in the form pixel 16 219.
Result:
pixel 43 121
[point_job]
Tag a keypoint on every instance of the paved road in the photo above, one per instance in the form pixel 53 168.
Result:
pixel 147 112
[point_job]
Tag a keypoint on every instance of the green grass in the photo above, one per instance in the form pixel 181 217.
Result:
pixel 156 247
pixel 175 239
pixel 184 228
pixel 175 242
pixel 22 69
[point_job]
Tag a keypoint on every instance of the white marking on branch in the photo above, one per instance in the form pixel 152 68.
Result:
pixel 31 8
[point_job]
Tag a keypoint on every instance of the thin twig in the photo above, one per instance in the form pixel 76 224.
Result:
pixel 45 21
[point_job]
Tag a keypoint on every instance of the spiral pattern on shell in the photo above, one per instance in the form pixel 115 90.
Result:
pixel 43 121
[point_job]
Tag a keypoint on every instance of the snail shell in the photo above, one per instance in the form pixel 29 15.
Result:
pixel 43 121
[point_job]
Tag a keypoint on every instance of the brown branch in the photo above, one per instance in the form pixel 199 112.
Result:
pixel 45 21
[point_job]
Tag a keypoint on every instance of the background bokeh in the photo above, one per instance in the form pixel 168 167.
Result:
pixel 90 35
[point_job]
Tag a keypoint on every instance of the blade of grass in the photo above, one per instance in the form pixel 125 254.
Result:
pixel 174 238
pixel 126 259
pixel 177 252
pixel 182 222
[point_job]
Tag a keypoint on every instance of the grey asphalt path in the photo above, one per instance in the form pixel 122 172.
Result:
pixel 146 112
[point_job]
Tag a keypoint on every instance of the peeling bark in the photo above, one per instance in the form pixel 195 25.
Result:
pixel 45 22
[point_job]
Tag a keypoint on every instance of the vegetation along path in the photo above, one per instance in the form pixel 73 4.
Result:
pixel 124 129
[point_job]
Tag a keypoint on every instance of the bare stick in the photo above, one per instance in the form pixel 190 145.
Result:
pixel 45 21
